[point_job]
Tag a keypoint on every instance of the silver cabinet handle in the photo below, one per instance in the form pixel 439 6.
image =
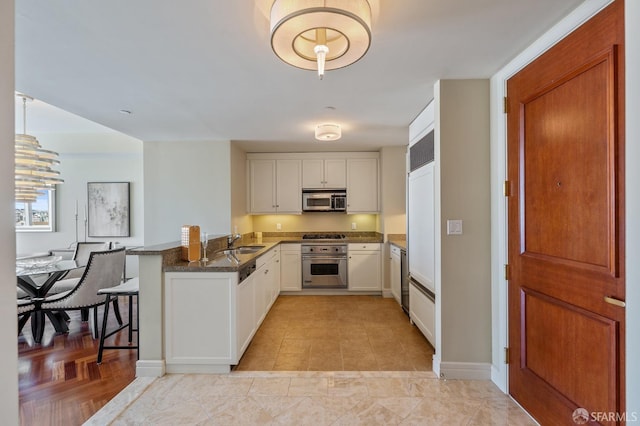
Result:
pixel 614 301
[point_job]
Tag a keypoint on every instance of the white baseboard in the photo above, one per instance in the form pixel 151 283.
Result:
pixel 462 370
pixel 499 378
pixel 150 368
pixel 198 368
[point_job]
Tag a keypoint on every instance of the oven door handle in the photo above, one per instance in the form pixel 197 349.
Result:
pixel 323 258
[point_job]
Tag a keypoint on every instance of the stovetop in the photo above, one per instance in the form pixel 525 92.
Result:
pixel 324 237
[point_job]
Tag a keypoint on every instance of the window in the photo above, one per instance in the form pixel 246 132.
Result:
pixel 38 216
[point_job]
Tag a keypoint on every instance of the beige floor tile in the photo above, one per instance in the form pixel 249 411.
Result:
pixel 270 386
pixel 308 386
pixel 291 362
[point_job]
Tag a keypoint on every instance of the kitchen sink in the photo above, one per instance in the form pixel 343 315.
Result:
pixel 249 249
pixel 243 250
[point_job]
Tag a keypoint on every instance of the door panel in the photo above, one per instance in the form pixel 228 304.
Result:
pixel 565 129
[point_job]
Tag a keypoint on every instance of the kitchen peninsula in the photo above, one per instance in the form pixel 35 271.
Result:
pixel 199 317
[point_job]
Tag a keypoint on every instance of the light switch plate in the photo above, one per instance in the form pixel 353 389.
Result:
pixel 454 227
pixel 278 226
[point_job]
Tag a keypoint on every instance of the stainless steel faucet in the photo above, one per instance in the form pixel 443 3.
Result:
pixel 232 239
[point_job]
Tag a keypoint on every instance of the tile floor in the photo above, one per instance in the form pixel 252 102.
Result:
pixel 313 398
pixel 337 333
pixel 320 360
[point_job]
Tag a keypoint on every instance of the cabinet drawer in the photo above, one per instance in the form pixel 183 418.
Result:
pixel 290 248
pixel 364 246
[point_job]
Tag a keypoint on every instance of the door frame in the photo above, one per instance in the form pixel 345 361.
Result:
pixel 499 222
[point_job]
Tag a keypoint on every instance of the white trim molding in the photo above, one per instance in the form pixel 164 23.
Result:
pixel 150 368
pixel 462 370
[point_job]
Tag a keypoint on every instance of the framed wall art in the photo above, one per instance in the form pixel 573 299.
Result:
pixel 108 209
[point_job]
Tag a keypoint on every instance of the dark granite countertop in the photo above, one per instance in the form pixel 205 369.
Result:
pixel 401 244
pixel 219 262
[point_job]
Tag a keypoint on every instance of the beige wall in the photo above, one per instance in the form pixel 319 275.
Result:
pixel 463 275
pixel 315 222
pixel 240 220
pixel 185 183
pixel 393 190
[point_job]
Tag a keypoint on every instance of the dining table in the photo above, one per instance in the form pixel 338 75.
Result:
pixel 36 277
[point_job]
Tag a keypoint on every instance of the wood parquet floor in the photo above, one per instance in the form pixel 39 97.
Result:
pixel 59 380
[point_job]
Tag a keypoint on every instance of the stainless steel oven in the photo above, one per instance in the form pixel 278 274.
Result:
pixel 324 265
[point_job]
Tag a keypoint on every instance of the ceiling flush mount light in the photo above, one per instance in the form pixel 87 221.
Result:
pixel 328 132
pixel 320 34
pixel 33 173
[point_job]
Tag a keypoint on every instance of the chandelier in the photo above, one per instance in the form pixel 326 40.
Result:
pixel 33 174
pixel 320 34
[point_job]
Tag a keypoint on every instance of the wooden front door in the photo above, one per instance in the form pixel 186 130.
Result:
pixel 565 128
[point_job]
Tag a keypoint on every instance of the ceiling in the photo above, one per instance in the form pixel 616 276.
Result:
pixel 204 69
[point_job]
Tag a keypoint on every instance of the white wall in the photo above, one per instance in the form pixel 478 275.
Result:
pixel 186 183
pixel 8 325
pixel 107 157
pixel 632 35
pixel 463 278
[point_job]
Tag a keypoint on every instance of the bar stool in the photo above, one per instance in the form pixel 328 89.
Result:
pixel 128 288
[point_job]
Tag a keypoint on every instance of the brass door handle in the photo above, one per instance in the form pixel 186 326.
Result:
pixel 614 301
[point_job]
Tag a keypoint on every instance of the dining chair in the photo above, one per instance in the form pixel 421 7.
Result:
pixel 104 270
pixel 81 255
pixel 25 307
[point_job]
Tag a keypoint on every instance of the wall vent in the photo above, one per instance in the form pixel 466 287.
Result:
pixel 422 152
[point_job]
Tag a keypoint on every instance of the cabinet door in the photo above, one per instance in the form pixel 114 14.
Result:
pixel 335 173
pixel 313 173
pixel 422 311
pixel 395 274
pixel 245 318
pixel 288 186
pixel 274 275
pixel 364 271
pixel 262 186
pixel 290 268
pixel 362 185
pixel 262 293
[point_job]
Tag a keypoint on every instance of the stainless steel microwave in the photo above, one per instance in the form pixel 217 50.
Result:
pixel 324 200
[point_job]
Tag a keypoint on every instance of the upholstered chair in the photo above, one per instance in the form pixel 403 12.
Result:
pixel 104 270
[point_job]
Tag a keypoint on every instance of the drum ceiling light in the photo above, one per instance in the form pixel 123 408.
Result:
pixel 33 172
pixel 328 132
pixel 320 34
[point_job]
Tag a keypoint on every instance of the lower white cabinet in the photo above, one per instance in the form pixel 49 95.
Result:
pixel 210 319
pixel 290 267
pixel 200 320
pixel 246 324
pixel 422 311
pixel 364 267
pixel 395 272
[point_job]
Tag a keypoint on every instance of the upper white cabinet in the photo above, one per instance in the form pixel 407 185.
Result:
pixel 362 185
pixel 275 186
pixel 275 180
pixel 324 173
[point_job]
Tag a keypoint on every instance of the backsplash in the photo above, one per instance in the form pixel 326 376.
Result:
pixel 315 222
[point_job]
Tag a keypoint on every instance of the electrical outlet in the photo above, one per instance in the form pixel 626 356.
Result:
pixel 278 226
pixel 353 225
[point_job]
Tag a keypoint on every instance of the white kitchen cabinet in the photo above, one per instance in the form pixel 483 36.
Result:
pixel 364 267
pixel 395 272
pixel 275 186
pixel 200 320
pixel 290 267
pixel 324 173
pixel 245 318
pixel 362 185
